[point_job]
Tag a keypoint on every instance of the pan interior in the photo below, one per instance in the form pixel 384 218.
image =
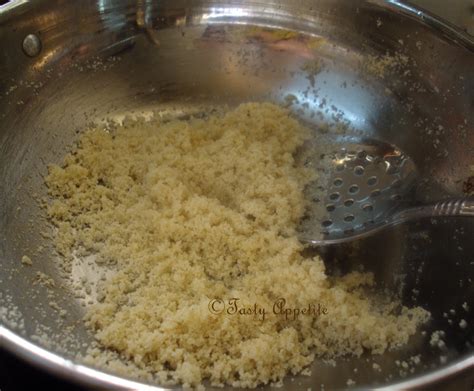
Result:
pixel 346 70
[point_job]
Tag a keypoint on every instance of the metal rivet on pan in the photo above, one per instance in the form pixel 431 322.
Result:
pixel 31 45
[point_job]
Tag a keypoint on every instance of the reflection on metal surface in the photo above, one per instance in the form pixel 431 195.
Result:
pixel 215 12
pixel 458 12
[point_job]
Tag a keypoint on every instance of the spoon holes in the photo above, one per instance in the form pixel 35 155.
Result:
pixel 349 218
pixel 349 202
pixel 372 181
pixel 367 208
pixel 353 189
pixel 326 223
pixel 375 193
pixel 359 170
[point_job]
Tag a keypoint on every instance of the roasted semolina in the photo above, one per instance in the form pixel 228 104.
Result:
pixel 190 211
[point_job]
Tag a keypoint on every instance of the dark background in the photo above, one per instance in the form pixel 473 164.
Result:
pixel 17 375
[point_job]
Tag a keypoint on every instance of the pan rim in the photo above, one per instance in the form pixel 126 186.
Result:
pixel 68 369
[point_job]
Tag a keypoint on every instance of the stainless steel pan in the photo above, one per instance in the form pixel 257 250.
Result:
pixel 64 64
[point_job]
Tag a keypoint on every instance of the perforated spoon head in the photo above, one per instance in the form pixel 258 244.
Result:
pixel 366 184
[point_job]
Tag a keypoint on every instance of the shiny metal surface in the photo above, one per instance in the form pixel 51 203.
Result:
pixel 366 187
pixel 103 59
pixel 458 12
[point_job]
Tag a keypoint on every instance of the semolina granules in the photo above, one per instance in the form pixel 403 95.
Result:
pixel 203 211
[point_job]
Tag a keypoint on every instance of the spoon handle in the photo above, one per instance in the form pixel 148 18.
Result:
pixel 461 207
pixel 453 207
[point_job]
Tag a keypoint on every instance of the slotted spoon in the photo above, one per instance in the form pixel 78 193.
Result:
pixel 370 187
